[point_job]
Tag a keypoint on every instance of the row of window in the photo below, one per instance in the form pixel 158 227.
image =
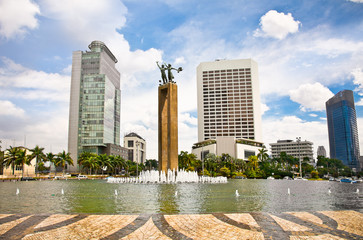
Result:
pixel 227 70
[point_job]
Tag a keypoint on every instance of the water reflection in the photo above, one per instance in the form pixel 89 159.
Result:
pixel 97 196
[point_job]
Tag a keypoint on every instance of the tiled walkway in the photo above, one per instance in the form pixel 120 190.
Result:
pixel 256 225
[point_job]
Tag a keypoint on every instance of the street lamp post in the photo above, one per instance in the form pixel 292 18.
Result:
pixel 298 140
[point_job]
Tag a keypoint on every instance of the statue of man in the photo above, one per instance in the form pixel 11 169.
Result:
pixel 162 70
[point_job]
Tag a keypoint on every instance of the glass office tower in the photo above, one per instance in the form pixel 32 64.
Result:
pixel 94 119
pixel 342 128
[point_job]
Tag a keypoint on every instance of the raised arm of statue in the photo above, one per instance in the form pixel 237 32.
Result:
pixel 162 71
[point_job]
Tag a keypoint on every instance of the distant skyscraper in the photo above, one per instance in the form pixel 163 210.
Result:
pixel 342 128
pixel 321 151
pixel 94 114
pixel 228 100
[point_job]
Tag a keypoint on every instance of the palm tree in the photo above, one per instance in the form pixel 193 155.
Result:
pixel 39 155
pixel 91 163
pixel 52 159
pixel 262 154
pixel 119 163
pixel 22 159
pixel 64 158
pixel 104 161
pixel 253 162
pixel 10 157
pixel 84 156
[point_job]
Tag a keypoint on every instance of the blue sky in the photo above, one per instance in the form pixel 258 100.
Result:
pixel 306 51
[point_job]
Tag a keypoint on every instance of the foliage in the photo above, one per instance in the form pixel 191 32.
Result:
pixel 314 174
pixel 225 171
pixel 39 156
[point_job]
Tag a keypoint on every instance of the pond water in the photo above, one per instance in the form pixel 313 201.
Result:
pixel 98 197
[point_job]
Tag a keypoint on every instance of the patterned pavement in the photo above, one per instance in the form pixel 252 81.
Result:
pixel 256 225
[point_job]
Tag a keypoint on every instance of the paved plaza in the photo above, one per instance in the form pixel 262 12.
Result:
pixel 255 225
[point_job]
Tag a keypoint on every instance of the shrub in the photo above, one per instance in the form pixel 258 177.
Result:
pixel 314 174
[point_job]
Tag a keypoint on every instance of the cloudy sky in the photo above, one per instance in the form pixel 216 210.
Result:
pixel 307 51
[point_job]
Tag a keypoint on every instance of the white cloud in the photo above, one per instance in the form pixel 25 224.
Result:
pixel 277 25
pixel 188 119
pixel 17 81
pixel 311 96
pixel 356 1
pixel 84 21
pixel 357 75
pixel 9 109
pixel 17 16
pixel 313 115
pixel 359 103
pixel 264 108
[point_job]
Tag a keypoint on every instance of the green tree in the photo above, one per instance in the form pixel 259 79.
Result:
pixel 262 154
pixel 53 160
pixel 10 157
pixel 151 164
pixel 314 174
pixel 64 158
pixel 39 156
pixel 91 163
pixel 22 159
pixel 186 160
pixel 225 171
pixel 104 162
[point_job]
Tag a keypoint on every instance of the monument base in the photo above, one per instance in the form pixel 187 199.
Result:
pixel 168 127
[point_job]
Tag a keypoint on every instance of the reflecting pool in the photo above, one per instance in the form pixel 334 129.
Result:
pixel 98 196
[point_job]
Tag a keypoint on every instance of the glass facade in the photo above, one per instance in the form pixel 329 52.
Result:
pixel 342 127
pixel 99 101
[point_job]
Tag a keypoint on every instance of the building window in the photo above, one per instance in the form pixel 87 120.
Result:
pixel 130 143
pixel 249 153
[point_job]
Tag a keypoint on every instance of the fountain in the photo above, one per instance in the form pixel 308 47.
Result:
pixel 180 176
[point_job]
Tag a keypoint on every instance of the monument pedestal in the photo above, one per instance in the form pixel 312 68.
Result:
pixel 168 127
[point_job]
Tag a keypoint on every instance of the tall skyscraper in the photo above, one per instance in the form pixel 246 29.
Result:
pixel 228 100
pixel 94 114
pixel 342 128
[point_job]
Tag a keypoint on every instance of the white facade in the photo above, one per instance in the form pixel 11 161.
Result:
pixel 229 100
pixel 136 146
pixel 297 149
pixel 236 148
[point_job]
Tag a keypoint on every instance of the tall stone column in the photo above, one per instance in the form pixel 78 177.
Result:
pixel 168 127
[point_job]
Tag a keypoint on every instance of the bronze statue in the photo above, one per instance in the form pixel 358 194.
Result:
pixel 170 74
pixel 162 70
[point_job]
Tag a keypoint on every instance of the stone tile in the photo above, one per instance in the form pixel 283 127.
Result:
pixel 4 215
pixel 349 221
pixel 147 231
pixel 245 218
pixel 307 217
pixel 54 219
pixel 207 226
pixel 319 237
pixel 92 227
pixel 289 226
pixel 9 225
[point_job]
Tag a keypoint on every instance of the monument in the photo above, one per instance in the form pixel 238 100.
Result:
pixel 168 119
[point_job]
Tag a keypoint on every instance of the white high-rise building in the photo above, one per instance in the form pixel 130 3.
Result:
pixel 229 100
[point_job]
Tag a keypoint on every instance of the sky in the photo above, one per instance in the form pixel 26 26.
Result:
pixel 306 51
